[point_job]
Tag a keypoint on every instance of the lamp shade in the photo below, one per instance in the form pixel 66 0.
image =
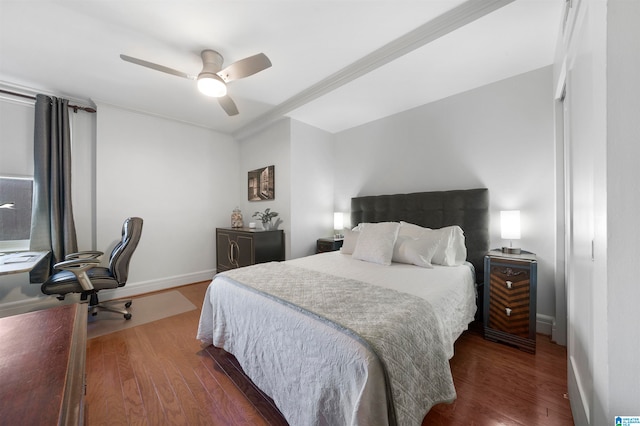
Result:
pixel 211 84
pixel 338 220
pixel 510 224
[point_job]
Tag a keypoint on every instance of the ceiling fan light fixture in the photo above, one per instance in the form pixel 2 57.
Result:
pixel 212 80
pixel 210 84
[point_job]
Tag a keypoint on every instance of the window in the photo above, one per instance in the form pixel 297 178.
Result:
pixel 15 212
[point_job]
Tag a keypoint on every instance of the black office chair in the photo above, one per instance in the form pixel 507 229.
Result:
pixel 80 273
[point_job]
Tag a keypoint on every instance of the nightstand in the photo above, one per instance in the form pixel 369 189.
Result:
pixel 328 244
pixel 510 298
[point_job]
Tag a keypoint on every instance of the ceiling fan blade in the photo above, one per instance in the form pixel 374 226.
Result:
pixel 157 67
pixel 228 105
pixel 245 67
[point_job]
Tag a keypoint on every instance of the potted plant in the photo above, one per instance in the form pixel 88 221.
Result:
pixel 265 217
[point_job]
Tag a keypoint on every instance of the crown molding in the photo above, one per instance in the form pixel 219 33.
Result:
pixel 33 92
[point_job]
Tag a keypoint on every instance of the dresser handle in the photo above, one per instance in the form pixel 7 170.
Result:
pixel 233 247
pixel 509 284
pixel 511 273
pixel 508 311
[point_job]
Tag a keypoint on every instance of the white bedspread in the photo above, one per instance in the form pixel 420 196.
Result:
pixel 450 289
pixel 315 374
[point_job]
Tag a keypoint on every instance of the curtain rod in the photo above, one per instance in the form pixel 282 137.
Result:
pixel 75 108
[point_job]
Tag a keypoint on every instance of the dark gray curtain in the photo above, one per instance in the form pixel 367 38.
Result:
pixel 52 225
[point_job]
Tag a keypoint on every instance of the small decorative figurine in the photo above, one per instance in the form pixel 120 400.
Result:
pixel 236 218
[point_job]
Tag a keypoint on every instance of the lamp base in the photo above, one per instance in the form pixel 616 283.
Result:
pixel 511 250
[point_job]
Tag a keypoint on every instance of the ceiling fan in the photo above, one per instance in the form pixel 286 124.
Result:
pixel 212 80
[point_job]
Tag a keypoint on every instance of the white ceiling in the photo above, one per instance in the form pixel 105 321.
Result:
pixel 336 64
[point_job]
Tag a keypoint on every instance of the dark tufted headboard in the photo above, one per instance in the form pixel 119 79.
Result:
pixel 468 208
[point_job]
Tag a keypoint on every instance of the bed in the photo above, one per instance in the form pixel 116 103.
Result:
pixel 351 338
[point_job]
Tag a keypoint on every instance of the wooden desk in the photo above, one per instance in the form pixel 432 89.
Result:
pixel 42 366
pixel 24 261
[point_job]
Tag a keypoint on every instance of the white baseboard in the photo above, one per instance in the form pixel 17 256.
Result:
pixel 130 289
pixel 544 324
pixel 578 399
pixel 32 304
pixel 135 289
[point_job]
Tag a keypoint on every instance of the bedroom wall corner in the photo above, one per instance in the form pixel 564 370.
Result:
pixel 303 160
pixel 178 178
pixel 270 147
pixel 499 136
pixel 311 187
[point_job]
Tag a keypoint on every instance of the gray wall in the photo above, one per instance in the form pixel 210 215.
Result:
pixel 181 179
pixel 303 160
pixel 185 180
pixel 500 136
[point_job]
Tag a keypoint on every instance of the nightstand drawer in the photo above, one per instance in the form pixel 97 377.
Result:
pixel 510 299
pixel 511 276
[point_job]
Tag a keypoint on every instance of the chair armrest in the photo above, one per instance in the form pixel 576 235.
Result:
pixel 76 264
pixel 89 254
pixel 79 267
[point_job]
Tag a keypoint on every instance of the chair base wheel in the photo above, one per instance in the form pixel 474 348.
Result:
pixel 115 306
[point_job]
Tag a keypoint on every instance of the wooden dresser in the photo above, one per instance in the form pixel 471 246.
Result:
pixel 42 366
pixel 238 247
pixel 510 299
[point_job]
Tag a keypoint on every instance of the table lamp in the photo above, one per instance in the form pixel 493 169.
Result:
pixel 510 229
pixel 338 225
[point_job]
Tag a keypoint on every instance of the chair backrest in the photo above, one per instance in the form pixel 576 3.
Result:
pixel 121 253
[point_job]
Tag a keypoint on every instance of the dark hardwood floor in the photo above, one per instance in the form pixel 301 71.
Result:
pixel 158 374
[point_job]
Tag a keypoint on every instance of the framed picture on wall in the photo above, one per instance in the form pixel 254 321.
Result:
pixel 261 184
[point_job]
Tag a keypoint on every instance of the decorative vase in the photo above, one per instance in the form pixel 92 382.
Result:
pixel 236 218
pixel 271 226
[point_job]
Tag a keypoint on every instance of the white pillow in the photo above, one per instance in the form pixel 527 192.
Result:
pixel 410 230
pixel 376 241
pixel 451 249
pixel 349 241
pixel 415 251
pixel 456 251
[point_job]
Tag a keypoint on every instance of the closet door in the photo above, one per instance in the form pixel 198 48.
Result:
pixel 585 198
